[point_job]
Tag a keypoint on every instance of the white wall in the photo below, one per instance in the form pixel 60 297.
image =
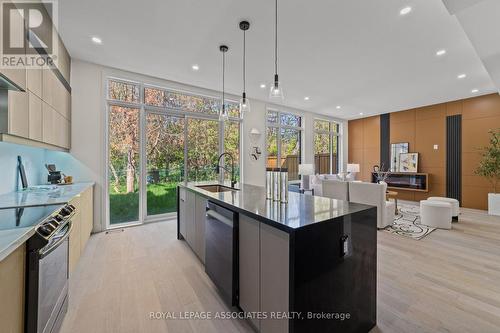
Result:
pixel 88 121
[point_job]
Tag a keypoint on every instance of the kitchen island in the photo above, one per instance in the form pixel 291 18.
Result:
pixel 309 265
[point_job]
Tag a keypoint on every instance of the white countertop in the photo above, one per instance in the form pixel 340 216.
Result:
pixel 43 195
pixel 11 239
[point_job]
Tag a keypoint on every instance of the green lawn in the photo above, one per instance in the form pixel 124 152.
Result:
pixel 124 207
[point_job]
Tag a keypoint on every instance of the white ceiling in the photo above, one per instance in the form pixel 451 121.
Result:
pixel 480 20
pixel 359 54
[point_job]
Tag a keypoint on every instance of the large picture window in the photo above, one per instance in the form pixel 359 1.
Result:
pixel 158 137
pixel 284 142
pixel 326 147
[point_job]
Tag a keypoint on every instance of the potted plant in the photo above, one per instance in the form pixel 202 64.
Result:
pixel 489 168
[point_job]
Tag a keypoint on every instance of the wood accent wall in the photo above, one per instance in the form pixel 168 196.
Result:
pixel 479 115
pixel 364 145
pixel 425 127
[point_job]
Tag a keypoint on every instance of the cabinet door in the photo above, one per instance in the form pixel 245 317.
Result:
pixel 200 210
pixel 35 117
pixel 34 82
pixel 48 124
pixel 87 218
pixel 190 225
pixel 274 277
pixel 19 114
pixel 18 76
pixel 12 288
pixel 182 212
pixel 75 241
pixel 249 265
pixel 48 86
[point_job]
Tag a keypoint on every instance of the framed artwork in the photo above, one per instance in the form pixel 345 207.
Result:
pixel 396 150
pixel 408 162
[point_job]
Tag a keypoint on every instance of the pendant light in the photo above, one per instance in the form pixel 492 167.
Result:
pixel 276 91
pixel 223 115
pixel 244 102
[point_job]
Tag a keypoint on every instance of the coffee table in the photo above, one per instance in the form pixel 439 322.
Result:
pixel 394 196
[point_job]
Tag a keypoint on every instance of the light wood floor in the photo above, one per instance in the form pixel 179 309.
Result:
pixel 447 282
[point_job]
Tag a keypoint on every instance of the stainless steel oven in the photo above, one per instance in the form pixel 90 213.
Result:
pixel 47 273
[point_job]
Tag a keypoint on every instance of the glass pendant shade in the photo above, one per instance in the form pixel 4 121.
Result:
pixel 223 115
pixel 244 105
pixel 276 92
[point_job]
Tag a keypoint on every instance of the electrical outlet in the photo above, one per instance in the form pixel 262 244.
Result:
pixel 436 147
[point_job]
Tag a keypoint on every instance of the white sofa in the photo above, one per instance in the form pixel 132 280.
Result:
pixel 335 189
pixel 375 195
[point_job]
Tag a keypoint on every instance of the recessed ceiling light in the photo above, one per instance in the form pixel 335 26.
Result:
pixel 262 85
pixel 475 91
pixel 462 76
pixel 338 107
pixel 405 11
pixel 361 113
pixel 306 98
pixel 195 67
pixel 96 40
pixel 441 53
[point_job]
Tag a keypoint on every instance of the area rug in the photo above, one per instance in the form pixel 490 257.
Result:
pixel 407 223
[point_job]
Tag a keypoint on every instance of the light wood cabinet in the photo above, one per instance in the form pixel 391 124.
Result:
pixel 87 216
pixel 48 124
pixel 18 76
pixel 83 221
pixel 75 241
pixel 18 123
pixel 18 114
pixel 35 117
pixel 12 277
pixel 64 60
pixel 49 86
pixel 34 83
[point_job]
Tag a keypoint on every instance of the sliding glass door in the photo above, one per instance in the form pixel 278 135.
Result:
pixel 164 162
pixel 123 164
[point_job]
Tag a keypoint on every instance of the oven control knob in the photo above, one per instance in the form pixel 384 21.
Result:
pixel 45 230
pixel 53 222
pixel 65 211
pixel 58 218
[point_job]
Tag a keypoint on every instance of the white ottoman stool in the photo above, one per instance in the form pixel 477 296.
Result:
pixel 435 214
pixel 455 205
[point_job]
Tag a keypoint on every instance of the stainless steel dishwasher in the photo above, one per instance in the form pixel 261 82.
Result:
pixel 221 250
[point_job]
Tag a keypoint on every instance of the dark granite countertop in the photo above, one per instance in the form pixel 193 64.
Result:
pixel 301 210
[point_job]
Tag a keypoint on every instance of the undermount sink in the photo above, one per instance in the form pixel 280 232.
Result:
pixel 216 188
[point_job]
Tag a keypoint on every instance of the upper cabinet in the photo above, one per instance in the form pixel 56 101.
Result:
pixel 40 115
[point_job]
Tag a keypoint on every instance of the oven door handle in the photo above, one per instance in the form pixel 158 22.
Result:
pixel 46 252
